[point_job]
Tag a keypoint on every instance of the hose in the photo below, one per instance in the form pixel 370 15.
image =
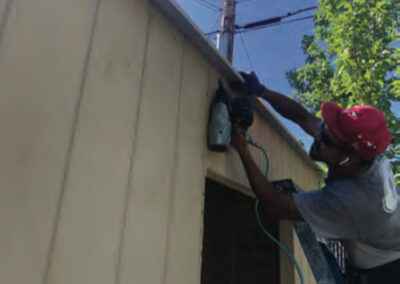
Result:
pixel 265 169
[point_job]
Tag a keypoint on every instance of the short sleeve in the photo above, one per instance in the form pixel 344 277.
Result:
pixel 326 214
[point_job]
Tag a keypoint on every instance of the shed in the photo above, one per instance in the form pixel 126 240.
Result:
pixel 105 173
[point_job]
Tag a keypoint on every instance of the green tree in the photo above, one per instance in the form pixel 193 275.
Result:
pixel 353 58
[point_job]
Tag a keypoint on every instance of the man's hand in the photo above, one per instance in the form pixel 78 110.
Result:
pixel 284 105
pixel 252 84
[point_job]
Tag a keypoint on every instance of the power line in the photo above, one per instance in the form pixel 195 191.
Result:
pixel 211 4
pixel 214 26
pixel 246 50
pixel 244 1
pixel 207 5
pixel 277 18
pixel 268 25
pixel 278 24
pixel 312 8
pixel 273 21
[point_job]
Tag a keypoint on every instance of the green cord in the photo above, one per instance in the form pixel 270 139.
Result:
pixel 282 247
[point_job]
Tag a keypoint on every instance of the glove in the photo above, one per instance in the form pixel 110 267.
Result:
pixel 252 84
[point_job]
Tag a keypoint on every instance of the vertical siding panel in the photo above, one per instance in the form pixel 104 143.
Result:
pixel 301 258
pixel 287 271
pixel 3 4
pixel 282 159
pixel 5 8
pixel 86 249
pixel 184 246
pixel 41 63
pixel 295 167
pixel 144 247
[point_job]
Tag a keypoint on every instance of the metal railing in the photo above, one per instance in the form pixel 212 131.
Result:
pixel 337 249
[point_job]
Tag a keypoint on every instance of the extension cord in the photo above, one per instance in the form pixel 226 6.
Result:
pixel 281 246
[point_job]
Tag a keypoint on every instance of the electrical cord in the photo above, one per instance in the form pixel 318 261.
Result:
pixel 265 169
pixel 265 162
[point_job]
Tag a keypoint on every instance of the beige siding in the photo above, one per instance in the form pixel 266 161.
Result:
pixel 42 55
pixel 103 110
pixel 288 273
pixel 3 4
pixel 5 8
pixel 285 162
pixel 145 237
pixel 183 259
pixel 91 216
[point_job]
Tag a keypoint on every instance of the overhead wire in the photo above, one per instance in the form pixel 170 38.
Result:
pixel 276 19
pixel 244 1
pixel 278 24
pixel 246 50
pixel 273 21
pixel 211 4
pixel 216 23
pixel 267 26
pixel 206 4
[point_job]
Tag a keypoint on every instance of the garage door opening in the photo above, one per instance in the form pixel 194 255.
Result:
pixel 235 250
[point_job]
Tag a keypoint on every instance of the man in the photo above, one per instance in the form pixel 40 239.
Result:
pixel 359 204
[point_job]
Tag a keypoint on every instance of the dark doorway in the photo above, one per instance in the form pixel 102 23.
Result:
pixel 235 251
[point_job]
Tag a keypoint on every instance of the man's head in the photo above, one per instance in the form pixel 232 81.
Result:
pixel 357 133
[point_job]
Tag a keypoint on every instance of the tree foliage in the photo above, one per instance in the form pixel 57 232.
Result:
pixel 353 58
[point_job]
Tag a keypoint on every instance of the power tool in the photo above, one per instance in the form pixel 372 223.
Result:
pixel 226 112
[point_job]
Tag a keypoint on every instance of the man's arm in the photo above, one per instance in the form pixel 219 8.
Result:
pixel 284 105
pixel 277 205
pixel 293 111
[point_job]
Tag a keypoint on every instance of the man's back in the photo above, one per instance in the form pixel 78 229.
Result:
pixel 362 211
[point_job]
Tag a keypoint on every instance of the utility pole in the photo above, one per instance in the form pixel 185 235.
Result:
pixel 226 37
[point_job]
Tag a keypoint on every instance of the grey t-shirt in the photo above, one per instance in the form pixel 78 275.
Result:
pixel 361 211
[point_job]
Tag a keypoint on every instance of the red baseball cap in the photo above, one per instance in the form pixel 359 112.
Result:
pixel 362 126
